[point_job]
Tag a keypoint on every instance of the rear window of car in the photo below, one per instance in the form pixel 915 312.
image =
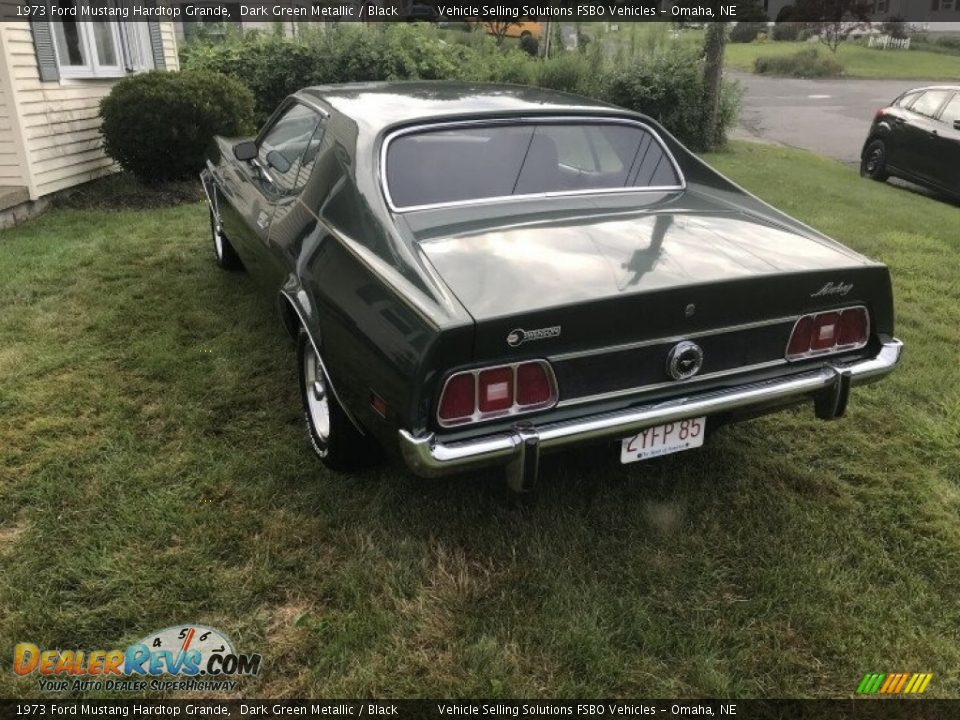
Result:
pixel 460 164
pixel 930 102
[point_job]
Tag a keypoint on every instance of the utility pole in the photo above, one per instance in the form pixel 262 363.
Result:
pixel 713 47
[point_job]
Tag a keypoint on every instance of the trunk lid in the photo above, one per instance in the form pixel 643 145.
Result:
pixel 620 277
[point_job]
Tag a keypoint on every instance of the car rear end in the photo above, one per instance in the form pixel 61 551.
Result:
pixel 646 316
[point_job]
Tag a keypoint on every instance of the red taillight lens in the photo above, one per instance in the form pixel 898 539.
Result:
pixel 533 385
pixel 854 327
pixel 459 398
pixel 829 332
pixel 496 390
pixel 474 395
pixel 826 330
pixel 800 340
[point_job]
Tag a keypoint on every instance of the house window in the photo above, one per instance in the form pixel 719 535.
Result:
pixel 95 49
pixel 881 7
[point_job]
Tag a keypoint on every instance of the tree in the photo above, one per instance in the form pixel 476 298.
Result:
pixel 498 28
pixel 833 20
pixel 713 47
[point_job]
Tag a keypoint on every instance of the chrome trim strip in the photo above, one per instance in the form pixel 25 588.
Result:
pixel 673 339
pixel 518 119
pixel 427 456
pixel 626 392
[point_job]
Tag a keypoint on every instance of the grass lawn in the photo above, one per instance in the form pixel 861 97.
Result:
pixel 858 60
pixel 154 471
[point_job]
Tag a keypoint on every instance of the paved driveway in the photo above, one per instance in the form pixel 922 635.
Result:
pixel 830 117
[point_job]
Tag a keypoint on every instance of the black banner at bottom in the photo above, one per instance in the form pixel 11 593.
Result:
pixel 862 709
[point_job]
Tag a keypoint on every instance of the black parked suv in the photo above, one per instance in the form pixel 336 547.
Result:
pixel 917 138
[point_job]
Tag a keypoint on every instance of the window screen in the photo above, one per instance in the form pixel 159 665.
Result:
pixel 472 163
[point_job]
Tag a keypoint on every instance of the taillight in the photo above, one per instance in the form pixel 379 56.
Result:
pixel 533 385
pixel 484 393
pixel 879 114
pixel 827 332
pixel 459 399
pixel 496 390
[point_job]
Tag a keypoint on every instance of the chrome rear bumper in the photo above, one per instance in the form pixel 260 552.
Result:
pixel 519 449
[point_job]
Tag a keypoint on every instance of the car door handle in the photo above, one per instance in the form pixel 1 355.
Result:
pixel 934 133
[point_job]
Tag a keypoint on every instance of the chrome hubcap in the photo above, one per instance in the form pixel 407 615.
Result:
pixel 318 404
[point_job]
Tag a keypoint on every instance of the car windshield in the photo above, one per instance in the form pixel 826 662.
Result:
pixel 458 164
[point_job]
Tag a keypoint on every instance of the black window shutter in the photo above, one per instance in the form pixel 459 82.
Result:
pixel 46 55
pixel 156 45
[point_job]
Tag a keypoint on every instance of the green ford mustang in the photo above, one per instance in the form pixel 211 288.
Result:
pixel 476 274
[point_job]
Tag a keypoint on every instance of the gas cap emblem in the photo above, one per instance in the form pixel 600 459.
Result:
pixel 684 360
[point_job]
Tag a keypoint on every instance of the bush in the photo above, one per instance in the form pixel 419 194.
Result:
pixel 786 31
pixel 157 125
pixel 803 64
pixel 669 88
pixel 274 68
pixel 566 71
pixel 666 84
pixel 530 45
pixel 949 42
pixel 896 27
pixel 745 32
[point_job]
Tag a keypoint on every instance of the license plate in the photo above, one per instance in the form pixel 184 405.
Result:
pixel 663 440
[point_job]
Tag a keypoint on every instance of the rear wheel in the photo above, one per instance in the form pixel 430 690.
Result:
pixel 874 162
pixel 334 438
pixel 223 251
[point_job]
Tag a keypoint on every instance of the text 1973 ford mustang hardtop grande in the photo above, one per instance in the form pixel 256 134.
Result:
pixel 476 274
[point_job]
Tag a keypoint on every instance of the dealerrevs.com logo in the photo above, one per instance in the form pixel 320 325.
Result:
pixel 182 657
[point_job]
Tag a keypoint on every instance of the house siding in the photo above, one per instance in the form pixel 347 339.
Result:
pixel 58 122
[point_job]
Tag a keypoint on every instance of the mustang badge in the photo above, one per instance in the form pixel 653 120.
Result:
pixel 684 360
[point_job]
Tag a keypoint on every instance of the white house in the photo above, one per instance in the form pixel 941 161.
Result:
pixel 52 77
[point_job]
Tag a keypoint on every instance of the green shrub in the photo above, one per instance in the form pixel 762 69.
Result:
pixel 802 64
pixel 530 45
pixel 567 71
pixel 745 32
pixel 786 31
pixel 669 88
pixel 157 125
pixel 666 84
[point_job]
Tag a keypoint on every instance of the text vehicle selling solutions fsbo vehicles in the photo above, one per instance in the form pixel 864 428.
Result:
pixel 477 274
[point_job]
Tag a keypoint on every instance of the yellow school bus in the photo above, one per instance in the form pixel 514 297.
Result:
pixel 514 29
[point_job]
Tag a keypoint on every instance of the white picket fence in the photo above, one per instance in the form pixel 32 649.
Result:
pixel 885 42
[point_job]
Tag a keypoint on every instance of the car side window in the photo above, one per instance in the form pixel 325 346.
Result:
pixel 904 102
pixel 282 147
pixel 309 158
pixel 928 103
pixel 951 113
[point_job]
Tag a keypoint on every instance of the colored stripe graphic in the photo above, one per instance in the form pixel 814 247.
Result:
pixel 894 683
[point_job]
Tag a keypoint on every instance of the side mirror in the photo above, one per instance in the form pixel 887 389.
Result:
pixel 278 161
pixel 245 151
pixel 956 124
